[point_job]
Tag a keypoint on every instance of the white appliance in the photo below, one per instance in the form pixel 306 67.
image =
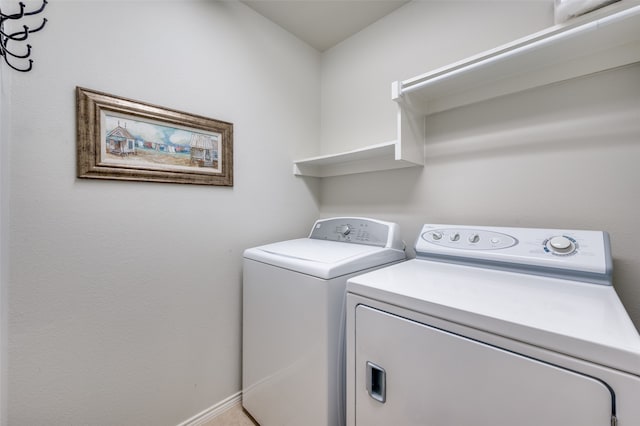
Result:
pixel 293 318
pixel 493 327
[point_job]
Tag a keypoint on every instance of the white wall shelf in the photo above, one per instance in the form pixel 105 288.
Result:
pixel 601 40
pixel 598 41
pixel 406 151
pixel 371 158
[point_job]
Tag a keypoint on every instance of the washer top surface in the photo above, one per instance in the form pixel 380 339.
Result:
pixel 345 249
pixel 569 316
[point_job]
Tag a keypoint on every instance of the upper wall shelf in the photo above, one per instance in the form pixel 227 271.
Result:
pixel 595 42
pixel 600 40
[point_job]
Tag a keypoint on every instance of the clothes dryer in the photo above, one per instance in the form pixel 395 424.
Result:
pixel 493 327
pixel 293 318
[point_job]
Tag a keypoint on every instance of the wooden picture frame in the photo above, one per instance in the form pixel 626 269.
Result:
pixel 123 139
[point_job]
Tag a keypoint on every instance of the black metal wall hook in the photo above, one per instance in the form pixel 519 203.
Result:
pixel 17 36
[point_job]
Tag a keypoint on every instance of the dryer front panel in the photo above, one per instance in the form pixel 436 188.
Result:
pixel 410 373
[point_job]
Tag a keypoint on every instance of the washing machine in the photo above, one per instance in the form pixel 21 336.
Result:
pixel 492 326
pixel 294 318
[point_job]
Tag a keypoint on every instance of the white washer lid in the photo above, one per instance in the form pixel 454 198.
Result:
pixel 321 258
pixel 583 320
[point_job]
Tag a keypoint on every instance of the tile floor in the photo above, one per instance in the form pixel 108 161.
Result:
pixel 235 416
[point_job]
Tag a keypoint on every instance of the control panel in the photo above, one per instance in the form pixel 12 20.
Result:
pixel 471 239
pixel 357 230
pixel 581 254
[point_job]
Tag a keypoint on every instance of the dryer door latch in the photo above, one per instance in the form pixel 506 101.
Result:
pixel 376 382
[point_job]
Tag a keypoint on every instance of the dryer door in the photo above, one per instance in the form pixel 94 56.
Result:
pixel 409 373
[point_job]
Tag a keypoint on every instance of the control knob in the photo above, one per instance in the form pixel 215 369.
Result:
pixel 344 230
pixel 474 238
pixel 436 235
pixel 561 245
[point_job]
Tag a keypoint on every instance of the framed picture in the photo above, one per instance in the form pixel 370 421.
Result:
pixel 123 139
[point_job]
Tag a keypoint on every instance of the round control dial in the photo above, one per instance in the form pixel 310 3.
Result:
pixel 344 230
pixel 561 244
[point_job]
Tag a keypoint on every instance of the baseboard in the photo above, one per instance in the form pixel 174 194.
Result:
pixel 213 411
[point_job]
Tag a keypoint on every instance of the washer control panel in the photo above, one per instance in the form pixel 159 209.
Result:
pixel 358 230
pixel 575 252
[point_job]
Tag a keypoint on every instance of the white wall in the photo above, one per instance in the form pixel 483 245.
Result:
pixel 423 35
pixel 563 156
pixel 4 234
pixel 125 298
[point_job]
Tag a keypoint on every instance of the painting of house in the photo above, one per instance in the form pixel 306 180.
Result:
pixel 159 145
pixel 120 141
pixel 204 150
